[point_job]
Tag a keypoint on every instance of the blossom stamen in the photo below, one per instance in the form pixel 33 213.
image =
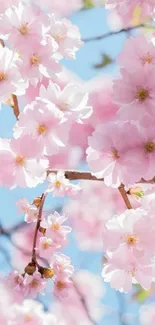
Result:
pixel 42 128
pixel 20 160
pixel 34 60
pixel 142 94
pixel 149 146
pixel 24 29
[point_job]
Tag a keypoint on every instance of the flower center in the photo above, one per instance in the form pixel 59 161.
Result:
pixel 142 94
pixel 2 76
pixel 131 240
pixel 42 128
pixel 46 245
pixel 149 146
pixel 114 153
pixel 34 60
pixel 56 226
pixel 147 58
pixel 34 283
pixel 24 29
pixel 64 106
pixel 57 184
pixel 20 160
pixel 58 37
pixel 28 317
pixel 60 285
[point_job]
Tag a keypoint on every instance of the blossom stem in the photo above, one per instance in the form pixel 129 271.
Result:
pixel 111 33
pixel 15 106
pixel 83 175
pixel 125 196
pixel 83 303
pixel 34 255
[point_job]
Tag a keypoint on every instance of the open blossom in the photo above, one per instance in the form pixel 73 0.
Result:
pixel 63 272
pixel 40 60
pixel 47 247
pixel 122 271
pixel 71 101
pixel 55 228
pixel 110 153
pixel 129 245
pixel 134 91
pixel 29 311
pixel 22 26
pixel 31 211
pixel 6 4
pixel 123 6
pixel 11 80
pixel 59 185
pixel 15 281
pixel 22 164
pixel 42 121
pixel 33 285
pixel 138 52
pixel 66 35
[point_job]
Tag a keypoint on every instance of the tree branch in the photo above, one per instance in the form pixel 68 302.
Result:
pixel 15 106
pixel 82 175
pixel 34 256
pixel 125 196
pixel 111 33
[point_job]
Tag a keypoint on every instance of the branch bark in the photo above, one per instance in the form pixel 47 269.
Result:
pixel 15 106
pixel 125 196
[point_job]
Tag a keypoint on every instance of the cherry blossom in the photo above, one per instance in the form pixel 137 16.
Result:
pixel 60 185
pixel 31 211
pixel 33 284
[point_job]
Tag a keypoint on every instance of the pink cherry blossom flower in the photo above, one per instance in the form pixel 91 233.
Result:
pixel 138 52
pixel 30 312
pixel 110 157
pixel 5 5
pixel 47 247
pixel 71 101
pixel 134 91
pixel 55 228
pixel 24 162
pixel 31 211
pixel 43 123
pixel 15 281
pixel 124 6
pixel 66 35
pixel 34 285
pixel 60 185
pixel 22 26
pixel 10 77
pixel 40 60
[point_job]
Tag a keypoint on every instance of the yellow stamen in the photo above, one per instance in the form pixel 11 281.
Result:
pixel 2 76
pixel 142 94
pixel 34 283
pixel 56 226
pixel 34 60
pixel 57 184
pixel 24 29
pixel 149 146
pixel 20 160
pixel 131 240
pixel 42 129
pixel 60 285
pixel 147 58
pixel 114 153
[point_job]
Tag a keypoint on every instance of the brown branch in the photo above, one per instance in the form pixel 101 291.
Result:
pixel 15 106
pixel 111 33
pixel 34 256
pixel 82 175
pixel 125 196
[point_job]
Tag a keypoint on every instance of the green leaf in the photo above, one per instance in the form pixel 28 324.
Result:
pixel 88 4
pixel 105 60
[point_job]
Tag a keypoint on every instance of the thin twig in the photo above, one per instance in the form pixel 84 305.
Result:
pixel 125 196
pixel 111 33
pixel 34 256
pixel 85 307
pixel 82 175
pixel 15 106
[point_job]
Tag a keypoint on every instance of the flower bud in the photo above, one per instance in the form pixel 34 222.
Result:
pixel 48 273
pixel 37 201
pixel 30 268
pixel 42 230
